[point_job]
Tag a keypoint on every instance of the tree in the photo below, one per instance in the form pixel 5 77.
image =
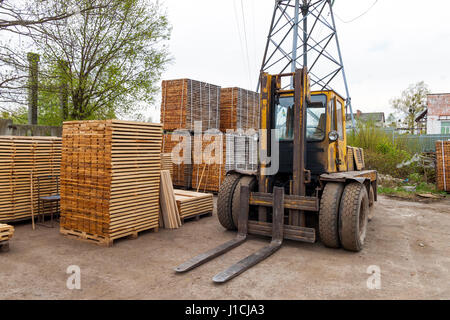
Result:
pixel 109 55
pixel 411 103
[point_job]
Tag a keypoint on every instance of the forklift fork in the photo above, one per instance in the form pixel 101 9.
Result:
pixel 247 263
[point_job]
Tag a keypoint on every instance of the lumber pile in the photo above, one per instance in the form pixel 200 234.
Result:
pixel 239 109
pixel 166 162
pixel 179 145
pixel 221 154
pixel 209 168
pixel 169 210
pixel 191 204
pixel 443 165
pixel 110 177
pixel 186 101
pixel 22 160
pixel 6 232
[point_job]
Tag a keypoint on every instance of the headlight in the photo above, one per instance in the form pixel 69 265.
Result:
pixel 334 136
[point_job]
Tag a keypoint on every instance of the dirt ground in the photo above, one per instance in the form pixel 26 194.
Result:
pixel 409 242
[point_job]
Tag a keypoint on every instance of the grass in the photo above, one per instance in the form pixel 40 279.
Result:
pixel 421 188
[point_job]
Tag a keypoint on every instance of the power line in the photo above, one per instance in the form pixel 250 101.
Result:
pixel 239 34
pixel 246 42
pixel 360 16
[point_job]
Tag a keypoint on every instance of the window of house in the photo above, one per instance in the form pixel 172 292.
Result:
pixel 445 127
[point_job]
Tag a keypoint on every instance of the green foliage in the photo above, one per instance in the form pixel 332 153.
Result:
pixel 381 152
pixel 110 58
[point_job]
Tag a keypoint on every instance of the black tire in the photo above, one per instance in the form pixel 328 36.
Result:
pixel 329 215
pixel 236 206
pixel 354 216
pixel 225 201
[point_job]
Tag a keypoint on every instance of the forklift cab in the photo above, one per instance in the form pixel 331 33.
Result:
pixel 325 132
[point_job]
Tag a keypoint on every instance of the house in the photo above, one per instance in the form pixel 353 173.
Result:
pixel 378 118
pixel 437 114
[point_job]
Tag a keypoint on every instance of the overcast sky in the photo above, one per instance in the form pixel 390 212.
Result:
pixel 395 44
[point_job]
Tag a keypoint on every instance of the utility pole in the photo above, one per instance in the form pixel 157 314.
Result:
pixel 33 88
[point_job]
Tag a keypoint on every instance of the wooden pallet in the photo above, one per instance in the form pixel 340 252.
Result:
pixel 101 240
pixel 21 160
pixel 6 232
pixel 186 101
pixel 196 217
pixel 181 173
pixel 166 162
pixel 110 176
pixel 239 109
pixel 443 165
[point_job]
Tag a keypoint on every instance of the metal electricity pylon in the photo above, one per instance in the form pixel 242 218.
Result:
pixel 303 33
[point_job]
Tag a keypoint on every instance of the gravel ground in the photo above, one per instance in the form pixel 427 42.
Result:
pixel 408 241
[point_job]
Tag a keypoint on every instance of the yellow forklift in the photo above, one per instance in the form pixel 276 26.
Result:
pixel 320 189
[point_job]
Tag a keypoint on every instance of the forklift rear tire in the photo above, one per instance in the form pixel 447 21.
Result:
pixel 329 215
pixel 225 201
pixel 354 217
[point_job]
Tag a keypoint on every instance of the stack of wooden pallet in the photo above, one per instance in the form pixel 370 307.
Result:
pixel 193 204
pixel 166 162
pixel 6 232
pixel 239 109
pixel 21 160
pixel 443 165
pixel 209 167
pixel 186 101
pixel 110 176
pixel 180 148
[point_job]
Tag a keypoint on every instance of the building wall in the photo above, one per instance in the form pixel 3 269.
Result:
pixel 7 128
pixel 438 106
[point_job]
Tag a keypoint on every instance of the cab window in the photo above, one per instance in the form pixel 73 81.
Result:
pixel 284 118
pixel 316 121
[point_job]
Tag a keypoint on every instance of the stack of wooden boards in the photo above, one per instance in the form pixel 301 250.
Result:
pixel 193 204
pixel 23 159
pixel 169 211
pixel 239 109
pixel 110 177
pixel 186 101
pixel 6 232
pixel 166 162
pixel 179 145
pixel 443 165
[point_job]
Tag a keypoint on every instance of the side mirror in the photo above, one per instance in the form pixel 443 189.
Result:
pixel 333 136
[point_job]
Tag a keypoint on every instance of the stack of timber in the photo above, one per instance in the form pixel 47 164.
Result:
pixel 186 101
pixel 239 109
pixel 22 161
pixel 443 165
pixel 179 145
pixel 193 204
pixel 110 177
pixel 221 154
pixel 169 209
pixel 6 232
pixel 209 167
pixel 166 162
